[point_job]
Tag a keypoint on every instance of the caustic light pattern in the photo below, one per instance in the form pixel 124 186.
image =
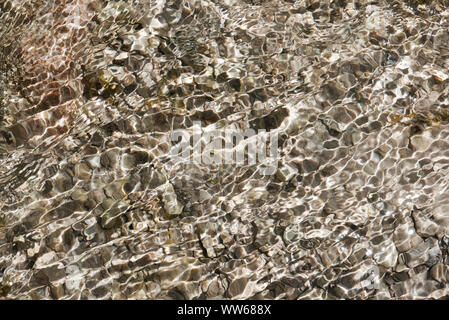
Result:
pixel 92 205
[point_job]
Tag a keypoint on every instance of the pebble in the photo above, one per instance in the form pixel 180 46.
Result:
pixel 237 287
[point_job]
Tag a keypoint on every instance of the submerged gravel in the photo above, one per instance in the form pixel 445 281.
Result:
pixel 91 205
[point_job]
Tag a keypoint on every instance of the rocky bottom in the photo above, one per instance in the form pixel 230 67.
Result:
pixel 92 205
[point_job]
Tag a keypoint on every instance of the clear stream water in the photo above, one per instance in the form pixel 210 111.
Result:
pixel 93 207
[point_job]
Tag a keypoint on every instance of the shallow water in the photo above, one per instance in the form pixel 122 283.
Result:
pixel 92 205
